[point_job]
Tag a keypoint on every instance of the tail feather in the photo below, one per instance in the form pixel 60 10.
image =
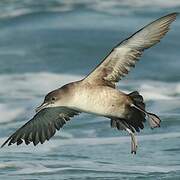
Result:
pixel 139 113
pixel 154 120
pixel 137 99
pixel 137 117
pixel 139 105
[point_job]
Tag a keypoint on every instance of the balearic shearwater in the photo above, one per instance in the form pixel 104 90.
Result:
pixel 97 93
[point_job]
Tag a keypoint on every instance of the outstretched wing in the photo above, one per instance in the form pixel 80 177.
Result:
pixel 42 126
pixel 124 56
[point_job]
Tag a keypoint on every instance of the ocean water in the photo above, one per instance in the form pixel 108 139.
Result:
pixel 45 44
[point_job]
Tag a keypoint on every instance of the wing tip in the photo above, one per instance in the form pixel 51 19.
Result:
pixel 172 16
pixel 175 13
pixel 6 142
pixel 3 145
pixel 19 141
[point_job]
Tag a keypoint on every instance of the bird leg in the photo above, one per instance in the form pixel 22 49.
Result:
pixel 133 141
pixel 123 125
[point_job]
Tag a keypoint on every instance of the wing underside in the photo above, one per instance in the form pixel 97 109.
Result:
pixel 125 55
pixel 42 126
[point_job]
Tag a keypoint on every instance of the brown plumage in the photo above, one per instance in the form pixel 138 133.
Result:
pixel 124 56
pixel 97 93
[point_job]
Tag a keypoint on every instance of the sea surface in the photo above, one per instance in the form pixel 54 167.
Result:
pixel 47 43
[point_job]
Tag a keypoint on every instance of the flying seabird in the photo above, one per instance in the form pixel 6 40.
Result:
pixel 97 93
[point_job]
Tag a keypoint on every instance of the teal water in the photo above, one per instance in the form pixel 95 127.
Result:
pixel 45 44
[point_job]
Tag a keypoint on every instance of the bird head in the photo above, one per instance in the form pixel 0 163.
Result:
pixel 50 100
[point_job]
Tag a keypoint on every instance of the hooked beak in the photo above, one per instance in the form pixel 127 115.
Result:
pixel 42 106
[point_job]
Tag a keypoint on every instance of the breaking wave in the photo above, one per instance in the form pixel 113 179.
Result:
pixel 10 9
pixel 26 90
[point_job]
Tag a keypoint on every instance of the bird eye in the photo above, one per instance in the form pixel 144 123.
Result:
pixel 53 99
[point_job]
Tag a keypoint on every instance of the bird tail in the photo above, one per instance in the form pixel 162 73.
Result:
pixel 136 118
pixel 139 113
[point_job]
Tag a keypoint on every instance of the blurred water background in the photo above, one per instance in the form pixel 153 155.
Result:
pixel 46 43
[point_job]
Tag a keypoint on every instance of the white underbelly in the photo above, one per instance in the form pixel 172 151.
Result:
pixel 102 104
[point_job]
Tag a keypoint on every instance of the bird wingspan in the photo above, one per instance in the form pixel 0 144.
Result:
pixel 42 126
pixel 124 56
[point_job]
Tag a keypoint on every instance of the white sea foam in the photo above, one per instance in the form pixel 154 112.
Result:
pixel 24 86
pixel 116 140
pixel 113 7
pixel 31 167
pixel 30 86
pixel 154 90
pixel 9 113
pixel 165 95
pixel 54 165
pixel 88 165
pixel 96 167
pixel 20 91
pixel 54 143
pixel 18 9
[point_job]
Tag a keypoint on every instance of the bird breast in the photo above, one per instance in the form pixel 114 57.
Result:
pixel 100 100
